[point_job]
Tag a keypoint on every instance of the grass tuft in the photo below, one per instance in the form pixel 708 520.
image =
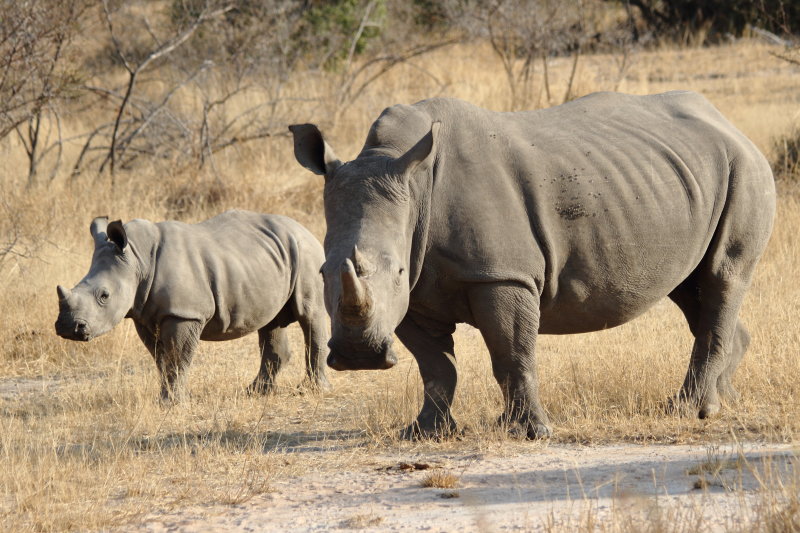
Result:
pixel 361 521
pixel 441 479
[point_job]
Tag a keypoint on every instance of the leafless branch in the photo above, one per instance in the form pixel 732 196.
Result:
pixel 134 71
pixel 352 86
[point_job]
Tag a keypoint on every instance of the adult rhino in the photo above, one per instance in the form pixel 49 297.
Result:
pixel 217 280
pixel 564 220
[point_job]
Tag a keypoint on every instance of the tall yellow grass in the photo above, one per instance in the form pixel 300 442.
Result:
pixel 85 445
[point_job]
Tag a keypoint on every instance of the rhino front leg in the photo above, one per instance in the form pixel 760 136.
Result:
pixel 149 340
pixel 315 332
pixel 275 352
pixel 172 347
pixel 176 342
pixel 507 315
pixel 435 357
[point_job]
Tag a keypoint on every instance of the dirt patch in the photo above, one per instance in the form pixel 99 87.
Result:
pixel 556 487
pixel 14 388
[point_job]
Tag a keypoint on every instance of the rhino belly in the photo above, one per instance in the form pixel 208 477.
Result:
pixel 579 314
pixel 249 312
pixel 610 291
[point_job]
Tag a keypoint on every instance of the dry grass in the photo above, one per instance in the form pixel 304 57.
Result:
pixel 361 521
pixel 440 479
pixel 715 463
pixel 85 445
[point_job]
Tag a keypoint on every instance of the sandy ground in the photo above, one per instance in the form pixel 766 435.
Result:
pixel 555 487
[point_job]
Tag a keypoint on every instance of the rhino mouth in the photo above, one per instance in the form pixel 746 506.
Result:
pixel 77 330
pixel 352 358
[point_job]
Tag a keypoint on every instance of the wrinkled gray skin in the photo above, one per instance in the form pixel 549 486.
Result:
pixel 216 280
pixel 564 220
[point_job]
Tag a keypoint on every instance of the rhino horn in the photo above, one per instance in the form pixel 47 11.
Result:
pixel 354 294
pixel 360 262
pixel 63 293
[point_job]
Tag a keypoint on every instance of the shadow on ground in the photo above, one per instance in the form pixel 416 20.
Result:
pixel 267 441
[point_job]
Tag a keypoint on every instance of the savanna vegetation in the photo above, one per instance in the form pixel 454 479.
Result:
pixel 178 109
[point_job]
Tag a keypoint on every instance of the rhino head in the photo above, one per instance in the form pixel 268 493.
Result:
pixel 106 294
pixel 371 217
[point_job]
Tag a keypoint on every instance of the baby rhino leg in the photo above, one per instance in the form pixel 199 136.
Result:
pixel 275 352
pixel 172 346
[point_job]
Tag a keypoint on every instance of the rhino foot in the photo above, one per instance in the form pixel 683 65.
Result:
pixel 687 407
pixel 525 429
pixel 680 406
pixel 531 431
pixel 708 410
pixel 312 386
pixel 261 387
pixel 318 384
pixel 675 406
pixel 437 430
pixel 169 399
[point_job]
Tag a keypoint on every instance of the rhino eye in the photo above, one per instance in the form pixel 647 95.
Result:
pixel 103 296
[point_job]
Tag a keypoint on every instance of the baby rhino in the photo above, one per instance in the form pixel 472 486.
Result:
pixel 216 280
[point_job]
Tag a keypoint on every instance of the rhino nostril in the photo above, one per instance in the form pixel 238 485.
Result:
pixel 80 327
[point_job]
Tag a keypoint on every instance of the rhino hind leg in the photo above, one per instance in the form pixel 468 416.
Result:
pixel 711 307
pixel 507 315
pixel 275 352
pixel 725 386
pixel 435 356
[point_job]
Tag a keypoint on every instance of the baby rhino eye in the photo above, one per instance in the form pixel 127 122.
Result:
pixel 103 297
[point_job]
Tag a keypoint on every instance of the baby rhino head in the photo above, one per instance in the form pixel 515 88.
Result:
pixel 106 294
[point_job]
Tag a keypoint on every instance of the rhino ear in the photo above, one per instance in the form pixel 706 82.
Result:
pixel 117 235
pixel 98 230
pixel 422 153
pixel 312 151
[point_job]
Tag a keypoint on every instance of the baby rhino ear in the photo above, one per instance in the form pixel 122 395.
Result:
pixel 116 234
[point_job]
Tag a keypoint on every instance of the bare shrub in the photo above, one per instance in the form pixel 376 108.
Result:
pixel 244 60
pixel 127 128
pixel 15 242
pixel 36 71
pixel 33 41
pixel 525 36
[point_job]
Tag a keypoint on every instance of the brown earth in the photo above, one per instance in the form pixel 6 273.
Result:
pixel 549 487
